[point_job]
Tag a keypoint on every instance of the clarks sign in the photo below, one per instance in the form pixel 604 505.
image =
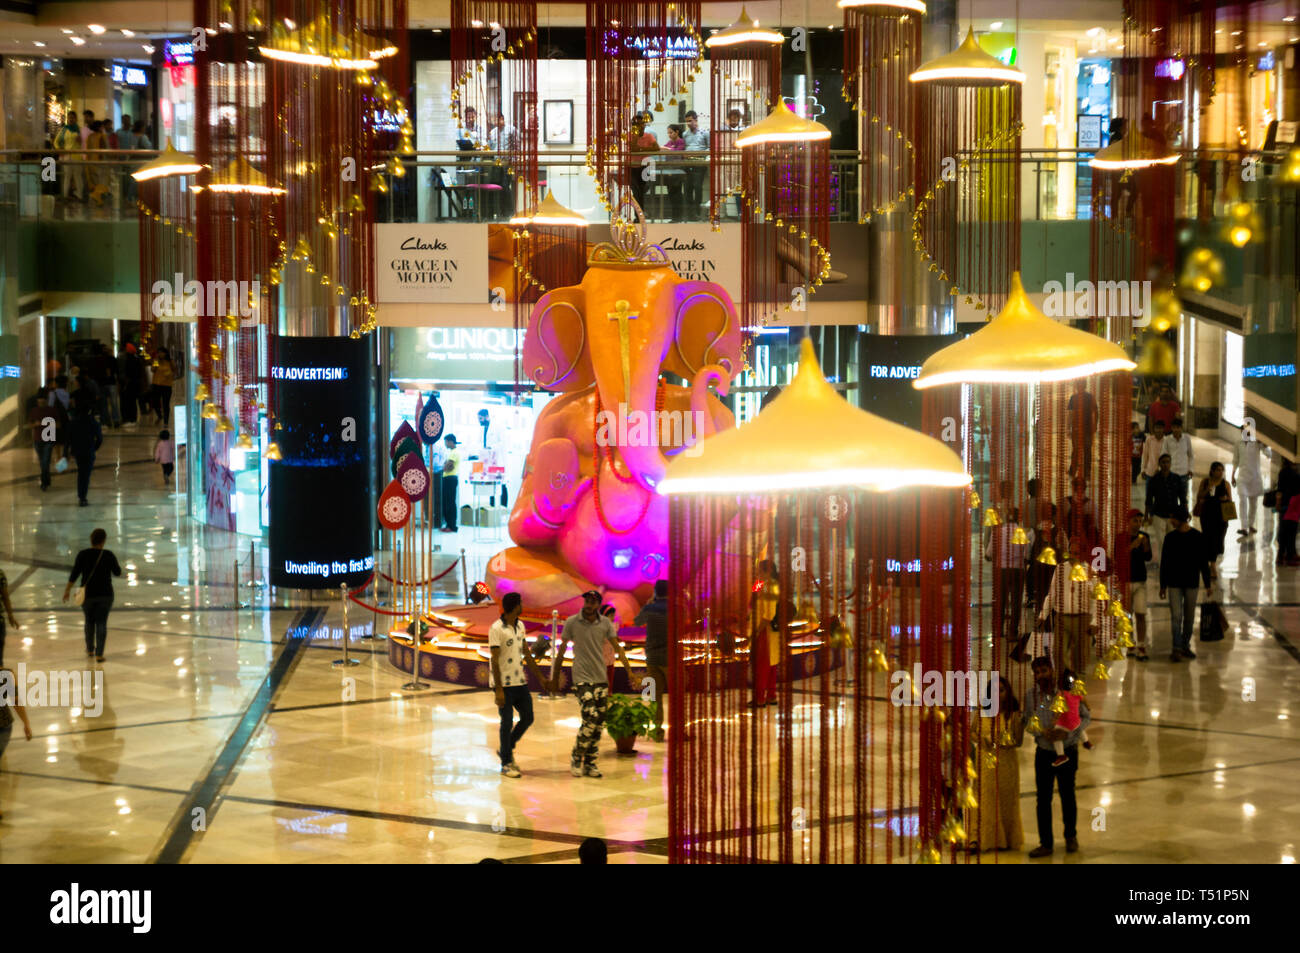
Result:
pixel 433 263
pixel 698 253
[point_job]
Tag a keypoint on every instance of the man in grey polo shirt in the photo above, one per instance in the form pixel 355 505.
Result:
pixel 589 631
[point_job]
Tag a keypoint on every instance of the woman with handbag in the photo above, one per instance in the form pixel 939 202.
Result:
pixel 1287 489
pixel 1215 508
pixel 95 567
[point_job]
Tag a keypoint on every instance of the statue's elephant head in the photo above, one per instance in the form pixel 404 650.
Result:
pixel 623 326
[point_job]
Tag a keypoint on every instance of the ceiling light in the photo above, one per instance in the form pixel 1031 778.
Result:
pixel 550 212
pixel 96 29
pixel 781 125
pixel 148 48
pixel 744 30
pixel 37 43
pixel 1096 31
pixel 1236 33
pixel 78 41
pixel 1262 43
pixel 1288 19
pixel 1021 345
pixel 169 162
pixel 995 25
pixel 968 65
pixel 128 33
pixel 66 30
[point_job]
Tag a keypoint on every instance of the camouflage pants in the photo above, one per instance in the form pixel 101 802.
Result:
pixel 594 701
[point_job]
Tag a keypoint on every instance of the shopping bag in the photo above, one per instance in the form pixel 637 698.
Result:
pixel 1211 622
pixel 1229 510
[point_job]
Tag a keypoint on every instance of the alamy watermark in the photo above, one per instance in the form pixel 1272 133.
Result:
pixel 945 689
pixel 1098 299
pixel 53 689
pixel 651 428
pixel 194 299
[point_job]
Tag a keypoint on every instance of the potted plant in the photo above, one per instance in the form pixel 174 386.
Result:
pixel 625 719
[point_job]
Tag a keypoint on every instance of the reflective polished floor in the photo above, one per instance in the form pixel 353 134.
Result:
pixel 227 735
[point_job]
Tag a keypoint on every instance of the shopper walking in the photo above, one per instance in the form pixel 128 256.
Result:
pixel 8 691
pixel 509 683
pixel 1179 447
pixel 1288 491
pixel 995 821
pixel 1162 500
pixel 589 631
pixel 95 567
pixel 1164 409
pixel 1211 496
pixel 1249 481
pixel 1139 554
pixel 164 453
pixel 84 438
pixel 163 374
pixel 450 482
pixel 8 614
pixel 1076 613
pixel 1152 447
pixel 43 421
pixel 1183 560
pixel 1008 558
pixel 72 168
pixel 654 616
pixel 1041 725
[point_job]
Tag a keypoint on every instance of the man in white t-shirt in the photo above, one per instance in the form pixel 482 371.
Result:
pixel 509 682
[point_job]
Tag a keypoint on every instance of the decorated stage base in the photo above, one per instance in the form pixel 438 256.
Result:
pixel 457 652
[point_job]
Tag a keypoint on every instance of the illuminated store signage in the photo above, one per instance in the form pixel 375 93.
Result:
pixel 454 354
pixel 1266 62
pixel 683 47
pixel 129 76
pixel 324 399
pixel 1171 69
pixel 906 372
pixel 698 253
pixel 385 120
pixel 177 53
pixel 1269 370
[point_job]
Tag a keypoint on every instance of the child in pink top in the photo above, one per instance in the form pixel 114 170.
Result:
pixel 164 452
pixel 1068 719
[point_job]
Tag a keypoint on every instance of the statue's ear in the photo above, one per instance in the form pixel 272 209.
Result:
pixel 555 354
pixel 706 330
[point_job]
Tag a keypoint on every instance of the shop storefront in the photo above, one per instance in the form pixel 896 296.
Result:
pixel 175 115
pixel 471 373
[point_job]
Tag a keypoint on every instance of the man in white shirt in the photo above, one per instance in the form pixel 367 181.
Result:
pixel 1152 448
pixel 509 683
pixel 1179 447
pixel 1008 558
pixel 697 140
pixel 1078 613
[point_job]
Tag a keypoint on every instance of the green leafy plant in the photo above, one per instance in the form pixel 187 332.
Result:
pixel 627 717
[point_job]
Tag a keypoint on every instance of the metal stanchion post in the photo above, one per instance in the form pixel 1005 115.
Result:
pixel 346 660
pixel 464 574
pixel 415 685
pixel 375 635
pixel 235 576
pixel 555 650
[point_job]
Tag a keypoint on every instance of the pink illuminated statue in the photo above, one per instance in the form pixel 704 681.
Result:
pixel 587 515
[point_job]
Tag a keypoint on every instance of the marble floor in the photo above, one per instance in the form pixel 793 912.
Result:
pixel 227 735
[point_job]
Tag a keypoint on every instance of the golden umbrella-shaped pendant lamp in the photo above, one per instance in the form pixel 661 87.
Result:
pixel 170 162
pixel 843 446
pixel 1021 345
pixel 1133 152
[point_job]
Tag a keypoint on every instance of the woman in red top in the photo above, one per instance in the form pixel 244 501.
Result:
pixel 640 142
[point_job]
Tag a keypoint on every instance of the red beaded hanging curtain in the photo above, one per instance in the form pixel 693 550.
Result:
pixel 966 223
pixel 797 624
pixel 494 71
pixel 236 219
pixel 640 58
pixel 882 47
pixel 166 213
pixel 547 256
pixel 335 74
pixel 744 83
pixel 786 206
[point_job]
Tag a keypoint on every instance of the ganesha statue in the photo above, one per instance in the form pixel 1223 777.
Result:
pixel 587 515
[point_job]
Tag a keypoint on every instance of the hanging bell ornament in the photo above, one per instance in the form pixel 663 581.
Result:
pixel 254 20
pixel 971 773
pixel 395 167
pixel 378 184
pixel 974 500
pixel 273 451
pixel 991 518
pixel 1167 311
pixel 1059 705
pixel 1035 725
pixel 1048 556
pixel 1099 592
pixel 1114 653
pixel 929 855
pixel 1079 688
pixel 1117 610
pixel 1006 739
pixel 1079 573
pixel 244 442
pixel 210 412
pixel 878 662
pixel 201 392
pixel 224 425
pixel 1203 270
pixel 966 795
pixel 990 761
pixel 1101 672
pixel 1019 537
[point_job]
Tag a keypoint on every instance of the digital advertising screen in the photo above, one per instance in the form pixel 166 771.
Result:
pixel 887 365
pixel 322 513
